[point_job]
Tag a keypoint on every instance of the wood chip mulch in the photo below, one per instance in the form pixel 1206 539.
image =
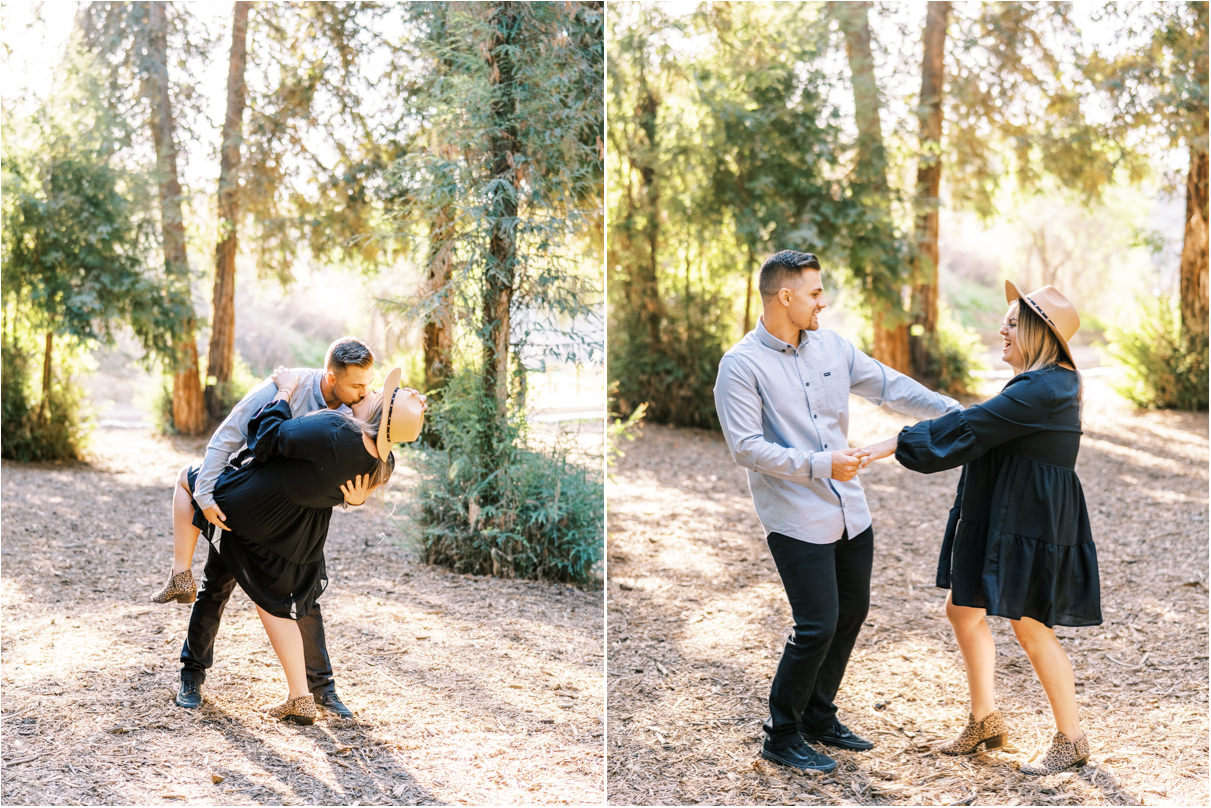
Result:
pixel 467 690
pixel 696 620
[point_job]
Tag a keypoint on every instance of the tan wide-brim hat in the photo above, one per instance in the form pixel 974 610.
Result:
pixel 1055 309
pixel 403 415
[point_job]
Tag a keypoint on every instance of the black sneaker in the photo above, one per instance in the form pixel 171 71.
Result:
pixel 331 702
pixel 798 755
pixel 838 735
pixel 190 694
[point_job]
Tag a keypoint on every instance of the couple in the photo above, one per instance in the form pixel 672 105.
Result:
pixel 311 440
pixel 1017 544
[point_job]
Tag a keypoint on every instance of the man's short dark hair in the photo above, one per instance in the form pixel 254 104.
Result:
pixel 348 351
pixel 781 266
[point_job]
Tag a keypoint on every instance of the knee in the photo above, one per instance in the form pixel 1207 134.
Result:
pixel 963 618
pixel 183 480
pixel 1032 638
pixel 814 633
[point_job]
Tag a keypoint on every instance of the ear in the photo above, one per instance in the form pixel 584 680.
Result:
pixel 784 296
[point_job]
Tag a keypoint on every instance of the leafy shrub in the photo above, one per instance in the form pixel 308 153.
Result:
pixel 1164 368
pixel 28 435
pixel 675 378
pixel 953 357
pixel 534 515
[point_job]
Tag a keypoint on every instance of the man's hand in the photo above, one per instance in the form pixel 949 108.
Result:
pixel 216 517
pixel 847 463
pixel 356 490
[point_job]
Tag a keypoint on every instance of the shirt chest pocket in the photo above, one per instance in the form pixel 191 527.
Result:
pixel 833 382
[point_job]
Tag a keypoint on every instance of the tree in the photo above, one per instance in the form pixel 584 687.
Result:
pixel 222 330
pixel 75 244
pixel 877 254
pixel 929 182
pixel 188 412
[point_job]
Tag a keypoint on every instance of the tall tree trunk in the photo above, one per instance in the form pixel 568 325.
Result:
pixel 44 404
pixel 889 320
pixel 929 180
pixel 188 413
pixel 438 341
pixel 646 288
pixel 222 328
pixel 748 292
pixel 1194 247
pixel 502 207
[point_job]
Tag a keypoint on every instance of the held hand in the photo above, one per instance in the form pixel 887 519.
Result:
pixel 216 517
pixel 880 450
pixel 847 463
pixel 356 490
pixel 286 379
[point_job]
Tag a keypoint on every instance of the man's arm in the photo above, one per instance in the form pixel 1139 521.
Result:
pixel 738 404
pixel 226 441
pixel 879 384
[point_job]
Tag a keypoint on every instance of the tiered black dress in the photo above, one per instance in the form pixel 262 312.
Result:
pixel 1018 541
pixel 278 497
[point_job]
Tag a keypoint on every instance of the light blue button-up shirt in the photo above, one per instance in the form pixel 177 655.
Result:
pixel 232 434
pixel 785 409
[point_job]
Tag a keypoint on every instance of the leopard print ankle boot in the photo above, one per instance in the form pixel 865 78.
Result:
pixel 989 731
pixel 1061 755
pixel 180 587
pixel 300 710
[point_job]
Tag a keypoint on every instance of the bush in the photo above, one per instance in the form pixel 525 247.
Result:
pixel 535 515
pixel 954 357
pixel 1164 368
pixel 675 379
pixel 59 434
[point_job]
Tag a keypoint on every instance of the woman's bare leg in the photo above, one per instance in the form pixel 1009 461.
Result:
pixel 1054 670
pixel 184 534
pixel 979 655
pixel 288 645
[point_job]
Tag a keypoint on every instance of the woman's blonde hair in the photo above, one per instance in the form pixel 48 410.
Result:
pixel 369 427
pixel 1036 342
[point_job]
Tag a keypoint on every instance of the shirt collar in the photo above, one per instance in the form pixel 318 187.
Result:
pixel 770 341
pixel 317 392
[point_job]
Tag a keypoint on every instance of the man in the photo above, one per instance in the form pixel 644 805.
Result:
pixel 782 395
pixel 346 378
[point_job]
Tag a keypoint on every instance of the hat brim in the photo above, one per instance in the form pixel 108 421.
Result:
pixel 1012 293
pixel 390 390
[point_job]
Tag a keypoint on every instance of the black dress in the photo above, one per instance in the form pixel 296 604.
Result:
pixel 1017 541
pixel 278 496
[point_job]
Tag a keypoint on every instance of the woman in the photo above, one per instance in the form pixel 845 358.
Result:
pixel 1018 543
pixel 278 506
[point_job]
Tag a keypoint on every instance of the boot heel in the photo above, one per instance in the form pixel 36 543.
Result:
pixel 187 597
pixel 995 742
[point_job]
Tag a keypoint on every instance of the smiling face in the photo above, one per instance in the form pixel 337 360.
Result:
pixel 804 300
pixel 1011 351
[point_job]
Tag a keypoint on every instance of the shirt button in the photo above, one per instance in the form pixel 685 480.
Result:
pixel 826 446
pixel 807 384
pixel 815 416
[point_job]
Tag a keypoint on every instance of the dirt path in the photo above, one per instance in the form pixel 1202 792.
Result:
pixel 466 689
pixel 696 618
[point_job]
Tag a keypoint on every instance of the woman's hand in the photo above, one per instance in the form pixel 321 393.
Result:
pixel 424 400
pixel 286 380
pixel 880 450
pixel 356 490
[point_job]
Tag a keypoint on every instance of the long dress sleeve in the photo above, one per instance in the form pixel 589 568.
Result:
pixel 273 433
pixel 957 438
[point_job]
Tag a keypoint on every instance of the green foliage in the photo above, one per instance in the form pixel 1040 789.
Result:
pixel 536 515
pixel 954 356
pixel 623 430
pixel 32 432
pixel 1164 368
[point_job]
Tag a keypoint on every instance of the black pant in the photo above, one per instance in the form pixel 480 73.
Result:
pixel 828 586
pixel 197 654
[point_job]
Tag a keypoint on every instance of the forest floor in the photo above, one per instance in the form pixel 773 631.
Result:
pixel 466 690
pixel 696 619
